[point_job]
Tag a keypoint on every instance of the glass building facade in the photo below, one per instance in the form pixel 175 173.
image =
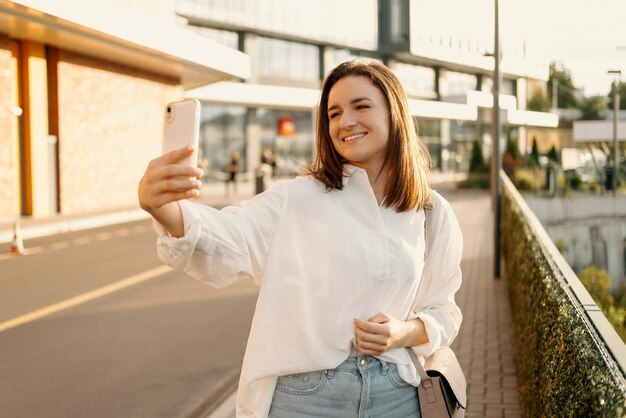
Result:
pixel 280 60
pixel 222 130
pixel 294 44
pixel 319 21
pixel 418 81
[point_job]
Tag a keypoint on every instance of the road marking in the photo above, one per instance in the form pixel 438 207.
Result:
pixel 85 297
pixel 82 240
pixel 104 236
pixel 6 255
pixel 33 250
pixel 122 232
pixel 59 245
pixel 140 228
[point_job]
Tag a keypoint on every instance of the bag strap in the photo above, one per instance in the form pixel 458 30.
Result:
pixel 427 217
pixel 418 366
pixel 455 378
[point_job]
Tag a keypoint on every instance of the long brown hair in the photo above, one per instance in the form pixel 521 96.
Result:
pixel 407 158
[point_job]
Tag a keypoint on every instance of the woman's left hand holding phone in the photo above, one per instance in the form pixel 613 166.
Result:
pixel 166 181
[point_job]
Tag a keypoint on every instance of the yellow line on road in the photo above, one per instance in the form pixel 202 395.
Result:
pixel 82 240
pixel 59 245
pixel 6 255
pixel 85 297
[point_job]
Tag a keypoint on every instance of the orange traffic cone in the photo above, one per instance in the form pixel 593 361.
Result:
pixel 17 246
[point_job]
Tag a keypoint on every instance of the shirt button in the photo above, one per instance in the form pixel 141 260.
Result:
pixel 383 276
pixel 363 362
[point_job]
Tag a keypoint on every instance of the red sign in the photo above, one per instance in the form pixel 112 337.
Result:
pixel 286 127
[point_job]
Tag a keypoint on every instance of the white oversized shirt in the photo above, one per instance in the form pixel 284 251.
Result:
pixel 322 258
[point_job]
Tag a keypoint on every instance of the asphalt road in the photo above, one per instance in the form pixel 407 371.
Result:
pixel 92 326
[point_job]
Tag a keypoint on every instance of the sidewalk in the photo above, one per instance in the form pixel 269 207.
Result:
pixel 212 194
pixel 484 345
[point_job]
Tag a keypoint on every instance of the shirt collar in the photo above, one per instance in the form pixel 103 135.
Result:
pixel 348 171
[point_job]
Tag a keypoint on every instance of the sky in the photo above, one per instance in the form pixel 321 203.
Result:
pixel 587 37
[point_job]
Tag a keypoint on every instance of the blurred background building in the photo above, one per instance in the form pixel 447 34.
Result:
pixel 440 56
pixel 83 89
pixel 83 84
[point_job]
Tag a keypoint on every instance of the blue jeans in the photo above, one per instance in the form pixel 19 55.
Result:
pixel 360 387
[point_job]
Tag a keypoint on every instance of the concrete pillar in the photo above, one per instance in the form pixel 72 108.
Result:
pixel 250 47
pixel 38 163
pixel 446 153
pixel 522 92
pixel 253 143
pixel 329 59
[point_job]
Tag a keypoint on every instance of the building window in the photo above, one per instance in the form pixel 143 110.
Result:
pixel 429 132
pixel 508 87
pixel 456 85
pixel 419 82
pixel 321 20
pixel 222 130
pixel 462 135
pixel 399 27
pixel 282 60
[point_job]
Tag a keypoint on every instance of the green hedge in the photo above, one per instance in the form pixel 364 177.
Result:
pixel 560 371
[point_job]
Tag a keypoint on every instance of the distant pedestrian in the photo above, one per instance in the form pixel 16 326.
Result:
pixel 267 157
pixel 348 282
pixel 232 169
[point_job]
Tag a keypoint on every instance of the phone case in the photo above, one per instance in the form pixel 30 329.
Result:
pixel 181 128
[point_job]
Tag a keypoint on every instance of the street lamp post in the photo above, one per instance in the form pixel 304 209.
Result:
pixel 616 99
pixel 495 156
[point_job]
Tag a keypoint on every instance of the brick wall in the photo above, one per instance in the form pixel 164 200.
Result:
pixel 109 127
pixel 8 169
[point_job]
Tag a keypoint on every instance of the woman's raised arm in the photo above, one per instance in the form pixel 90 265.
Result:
pixel 166 181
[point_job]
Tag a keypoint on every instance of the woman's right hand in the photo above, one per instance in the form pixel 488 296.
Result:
pixel 166 180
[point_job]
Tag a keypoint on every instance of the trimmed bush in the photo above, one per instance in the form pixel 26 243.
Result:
pixel 476 181
pixel 561 371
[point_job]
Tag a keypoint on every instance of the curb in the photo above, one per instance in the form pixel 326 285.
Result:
pixel 70 225
pixel 212 195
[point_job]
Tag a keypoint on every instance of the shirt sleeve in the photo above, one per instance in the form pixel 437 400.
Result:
pixel 434 303
pixel 220 246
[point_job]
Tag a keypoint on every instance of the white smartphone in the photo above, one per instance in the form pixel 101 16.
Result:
pixel 181 128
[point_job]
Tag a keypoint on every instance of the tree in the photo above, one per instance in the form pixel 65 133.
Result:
pixel 592 106
pixel 477 162
pixel 511 158
pixel 622 99
pixel 567 92
pixel 553 155
pixel 533 157
pixel 538 101
pixel 511 147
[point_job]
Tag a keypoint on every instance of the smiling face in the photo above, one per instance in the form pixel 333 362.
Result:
pixel 358 116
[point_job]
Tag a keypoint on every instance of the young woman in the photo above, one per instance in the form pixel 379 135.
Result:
pixel 347 280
